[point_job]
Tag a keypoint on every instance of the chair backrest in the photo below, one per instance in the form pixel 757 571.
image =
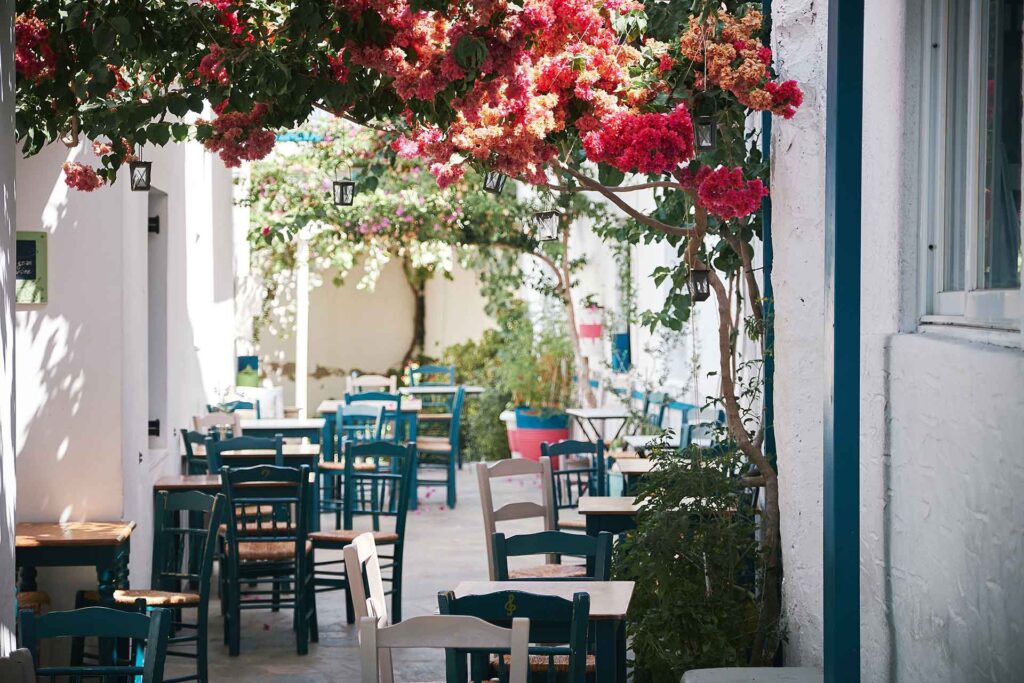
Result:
pixel 453 424
pixel 357 383
pixel 271 451
pixel 655 404
pixel 360 423
pixel 392 408
pixel 17 667
pixel 362 567
pixel 432 376
pixel 145 634
pixel 522 509
pixel 171 566
pixel 284 490
pixel 559 624
pixel 383 491
pixel 218 423
pixel 554 542
pixel 585 474
pixel 442 631
pixel 191 439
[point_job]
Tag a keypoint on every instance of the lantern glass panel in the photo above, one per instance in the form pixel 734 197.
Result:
pixel 140 175
pixel 494 182
pixel 704 133
pixel 546 223
pixel 699 287
pixel 344 192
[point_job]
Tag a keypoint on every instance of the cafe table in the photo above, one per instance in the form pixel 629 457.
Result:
pixel 590 416
pixel 633 469
pixel 441 390
pixel 289 427
pixel 609 603
pixel 103 545
pixel 614 514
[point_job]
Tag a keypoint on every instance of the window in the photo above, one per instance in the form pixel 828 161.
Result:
pixel 971 156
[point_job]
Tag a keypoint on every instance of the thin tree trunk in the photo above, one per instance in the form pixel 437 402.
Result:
pixel 417 283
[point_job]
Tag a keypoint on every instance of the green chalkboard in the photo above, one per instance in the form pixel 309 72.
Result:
pixel 30 267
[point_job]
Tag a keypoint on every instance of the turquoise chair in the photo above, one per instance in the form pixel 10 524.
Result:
pixel 268 554
pixel 383 493
pixel 558 631
pixel 356 423
pixel 596 549
pixel 145 636
pixel 655 404
pixel 171 569
pixel 570 480
pixel 437 409
pixel 403 425
pixel 194 464
pixel 440 454
pixel 215 448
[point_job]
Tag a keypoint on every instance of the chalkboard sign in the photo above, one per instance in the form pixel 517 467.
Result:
pixel 30 267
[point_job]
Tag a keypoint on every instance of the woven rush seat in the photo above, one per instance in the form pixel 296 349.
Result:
pixel 572 523
pixel 433 444
pixel 342 537
pixel 267 527
pixel 33 600
pixel 539 663
pixel 434 417
pixel 268 551
pixel 548 571
pixel 152 598
pixel 335 466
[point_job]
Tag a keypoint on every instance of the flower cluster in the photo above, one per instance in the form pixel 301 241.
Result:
pixel 81 176
pixel 725 193
pixel 34 59
pixel 212 68
pixel 735 60
pixel 239 136
pixel 642 143
pixel 102 149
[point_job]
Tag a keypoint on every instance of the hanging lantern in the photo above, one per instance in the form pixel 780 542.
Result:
pixel 697 283
pixel 545 225
pixel 344 192
pixel 704 133
pixel 140 174
pixel 494 182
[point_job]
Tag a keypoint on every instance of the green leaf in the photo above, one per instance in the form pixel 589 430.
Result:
pixel 610 176
pixel 159 133
pixel 177 105
pixel 180 131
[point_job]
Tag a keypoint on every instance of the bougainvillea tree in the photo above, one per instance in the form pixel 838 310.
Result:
pixel 571 94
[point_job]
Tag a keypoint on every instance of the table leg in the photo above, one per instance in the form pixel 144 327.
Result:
pixel 107 575
pixel 610 651
pixel 28 578
pixel 583 428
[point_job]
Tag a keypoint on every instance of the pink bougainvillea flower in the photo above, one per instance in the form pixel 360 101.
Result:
pixel 81 176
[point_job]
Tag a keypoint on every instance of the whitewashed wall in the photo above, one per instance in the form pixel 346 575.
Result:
pixel 942 561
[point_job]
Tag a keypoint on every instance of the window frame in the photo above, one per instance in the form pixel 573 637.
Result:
pixel 972 306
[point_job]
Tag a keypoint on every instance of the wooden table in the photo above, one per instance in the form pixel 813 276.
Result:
pixel 614 514
pixel 640 442
pixel 609 603
pixel 103 545
pixel 588 416
pixel 633 469
pixel 441 390
pixel 310 428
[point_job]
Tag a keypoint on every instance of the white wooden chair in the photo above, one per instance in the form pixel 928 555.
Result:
pixel 523 509
pixel 361 383
pixel 17 668
pixel 218 420
pixel 441 631
pixel 367 598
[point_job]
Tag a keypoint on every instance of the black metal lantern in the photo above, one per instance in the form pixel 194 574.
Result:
pixel 697 283
pixel 494 182
pixel 140 175
pixel 545 224
pixel 344 192
pixel 704 133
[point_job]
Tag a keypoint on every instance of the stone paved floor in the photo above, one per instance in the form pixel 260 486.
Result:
pixel 443 547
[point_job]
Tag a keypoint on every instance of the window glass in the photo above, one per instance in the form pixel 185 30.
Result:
pixel 958 128
pixel 999 243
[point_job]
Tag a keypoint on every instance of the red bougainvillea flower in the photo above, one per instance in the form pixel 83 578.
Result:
pixel 81 176
pixel 211 66
pixel 727 195
pixel 34 59
pixel 240 136
pixel 643 143
pixel 339 72
pixel 786 97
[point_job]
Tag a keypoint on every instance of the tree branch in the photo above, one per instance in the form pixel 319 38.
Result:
pixel 753 291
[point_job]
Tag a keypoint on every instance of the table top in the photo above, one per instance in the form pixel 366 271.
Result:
pixel 330 406
pixel 441 389
pixel 635 466
pixel 289 450
pixel 204 482
pixel 608 505
pixel 61 534
pixel 639 441
pixel 598 413
pixel 608 599
pixel 283 423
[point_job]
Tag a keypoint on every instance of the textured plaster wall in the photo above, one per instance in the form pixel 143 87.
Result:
pixel 798 191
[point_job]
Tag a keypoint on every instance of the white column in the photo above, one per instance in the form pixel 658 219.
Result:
pixel 301 324
pixel 8 489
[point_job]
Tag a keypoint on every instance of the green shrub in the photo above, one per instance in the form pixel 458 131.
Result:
pixel 476 363
pixel 693 556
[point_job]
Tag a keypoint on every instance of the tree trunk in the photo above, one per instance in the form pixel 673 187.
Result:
pixel 417 283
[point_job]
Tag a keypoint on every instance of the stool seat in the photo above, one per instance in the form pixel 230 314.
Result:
pixel 548 571
pixel 339 538
pixel 335 466
pixel 33 600
pixel 434 417
pixel 152 598
pixel 574 523
pixel 433 444
pixel 539 663
pixel 268 551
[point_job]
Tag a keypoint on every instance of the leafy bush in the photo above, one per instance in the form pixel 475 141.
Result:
pixel 693 556
pixel 476 363
pixel 535 364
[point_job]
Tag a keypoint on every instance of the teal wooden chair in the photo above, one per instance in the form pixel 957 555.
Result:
pixel 596 549
pixel 655 404
pixel 233 406
pixel 356 423
pixel 398 426
pixel 145 637
pixel 174 573
pixel 269 557
pixel 438 408
pixel 216 448
pixel 581 471
pixel 194 464
pixel 558 629
pixel 440 454
pixel 384 495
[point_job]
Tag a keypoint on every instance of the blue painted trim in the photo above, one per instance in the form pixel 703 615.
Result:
pixel 768 262
pixel 843 166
